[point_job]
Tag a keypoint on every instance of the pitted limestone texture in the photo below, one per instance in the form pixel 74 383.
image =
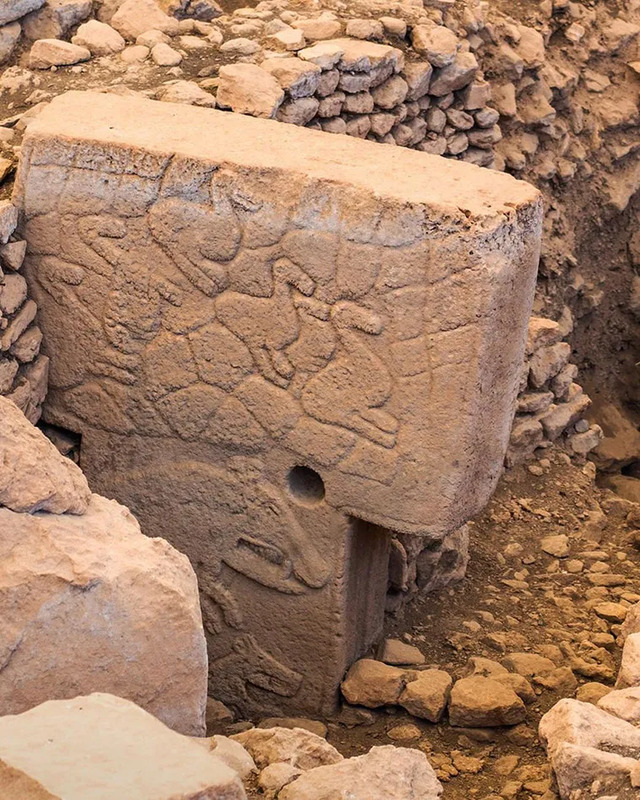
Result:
pixel 277 345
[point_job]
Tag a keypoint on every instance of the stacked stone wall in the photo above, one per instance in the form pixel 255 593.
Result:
pixel 23 369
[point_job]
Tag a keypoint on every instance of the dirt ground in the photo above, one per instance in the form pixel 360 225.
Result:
pixel 516 598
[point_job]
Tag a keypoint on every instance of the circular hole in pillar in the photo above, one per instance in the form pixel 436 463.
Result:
pixel 306 486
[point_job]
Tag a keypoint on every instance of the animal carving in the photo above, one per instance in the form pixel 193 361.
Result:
pixel 248 664
pixel 267 325
pixel 227 516
pixel 351 389
pixel 197 237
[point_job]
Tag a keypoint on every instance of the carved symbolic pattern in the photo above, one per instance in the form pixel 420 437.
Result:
pixel 286 332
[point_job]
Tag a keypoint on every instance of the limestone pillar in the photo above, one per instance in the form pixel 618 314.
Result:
pixel 277 345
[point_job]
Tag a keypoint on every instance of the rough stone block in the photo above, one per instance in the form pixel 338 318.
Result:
pixel 277 345
pixel 87 603
pixel 104 746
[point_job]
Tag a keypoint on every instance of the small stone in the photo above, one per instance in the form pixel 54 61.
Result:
pixel 455 76
pixel 592 692
pixel 316 30
pixel 230 753
pixel 240 47
pixel 276 776
pixel 12 254
pixel 437 43
pixel 478 702
pixel 297 77
pixel 404 733
pixel 187 92
pixel 247 89
pixel 623 703
pixel 100 39
pixel 427 695
pixel 373 684
pixel 135 54
pixel 394 26
pixel 365 29
pixel 557 546
pixel 612 612
pixel 298 747
pixel 165 56
pixel 290 39
pixel 398 653
pixel 46 53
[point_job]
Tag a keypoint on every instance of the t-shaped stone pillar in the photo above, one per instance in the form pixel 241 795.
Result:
pixel 277 344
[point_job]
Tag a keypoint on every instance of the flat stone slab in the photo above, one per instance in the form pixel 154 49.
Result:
pixel 101 747
pixel 266 335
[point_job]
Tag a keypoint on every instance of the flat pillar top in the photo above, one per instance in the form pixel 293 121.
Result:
pixel 396 173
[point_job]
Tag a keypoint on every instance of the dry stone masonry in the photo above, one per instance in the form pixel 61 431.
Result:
pixel 277 346
pixel 23 370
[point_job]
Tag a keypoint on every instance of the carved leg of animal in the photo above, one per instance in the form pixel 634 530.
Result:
pixel 281 363
pixel 264 363
pixel 381 419
pixel 371 432
pixel 211 615
pixel 222 597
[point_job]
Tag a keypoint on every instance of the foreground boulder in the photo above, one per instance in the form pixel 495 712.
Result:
pixel 585 744
pixel 33 474
pixel 88 603
pixel 385 773
pixel 104 747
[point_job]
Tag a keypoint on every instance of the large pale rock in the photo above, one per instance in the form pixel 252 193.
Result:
pixel 629 674
pixel 373 684
pixel 134 17
pixel 478 702
pixel 56 18
pixel 296 343
pixel 105 747
pixel 623 703
pixel 33 474
pixel 584 743
pixel 11 10
pixel 384 773
pixel 586 725
pixel 296 746
pixel 91 604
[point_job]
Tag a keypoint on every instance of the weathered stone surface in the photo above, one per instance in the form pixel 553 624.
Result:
pixel 356 372
pixel 384 773
pixel 33 474
pixel 11 10
pixel 298 747
pixel 81 596
pixel 427 695
pixel 478 702
pixel 454 76
pixel 372 684
pixel 107 747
